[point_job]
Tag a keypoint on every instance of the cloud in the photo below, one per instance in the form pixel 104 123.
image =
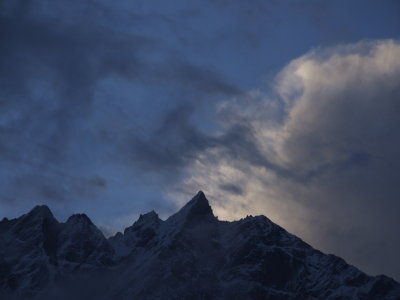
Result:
pixel 319 155
pixel 71 78
pixel 103 105
pixel 348 104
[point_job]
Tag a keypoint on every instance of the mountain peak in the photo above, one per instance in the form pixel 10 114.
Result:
pixel 199 203
pixel 79 218
pixel 42 211
pixel 201 195
pixel 149 217
pixel 198 208
pixel 194 254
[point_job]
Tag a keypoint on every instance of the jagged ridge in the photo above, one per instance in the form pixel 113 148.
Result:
pixel 191 255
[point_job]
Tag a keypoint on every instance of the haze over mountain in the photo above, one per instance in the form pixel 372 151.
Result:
pixel 190 255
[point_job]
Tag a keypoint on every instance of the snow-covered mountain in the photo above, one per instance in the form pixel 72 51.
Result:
pixel 191 255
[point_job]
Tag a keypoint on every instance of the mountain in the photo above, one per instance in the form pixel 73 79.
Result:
pixel 191 255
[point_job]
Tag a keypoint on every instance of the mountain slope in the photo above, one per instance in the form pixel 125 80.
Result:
pixel 191 255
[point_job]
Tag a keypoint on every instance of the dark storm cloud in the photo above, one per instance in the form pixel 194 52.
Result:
pixel 178 142
pixel 173 146
pixel 53 56
pixel 63 62
pixel 75 54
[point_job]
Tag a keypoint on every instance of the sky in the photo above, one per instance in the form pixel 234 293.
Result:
pixel 289 109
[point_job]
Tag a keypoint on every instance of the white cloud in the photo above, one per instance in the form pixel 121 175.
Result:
pixel 328 143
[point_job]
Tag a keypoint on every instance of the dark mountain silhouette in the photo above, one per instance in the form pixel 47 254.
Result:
pixel 191 255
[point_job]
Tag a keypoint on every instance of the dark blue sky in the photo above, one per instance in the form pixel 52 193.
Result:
pixel 283 108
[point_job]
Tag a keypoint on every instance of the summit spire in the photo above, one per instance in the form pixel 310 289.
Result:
pixel 197 209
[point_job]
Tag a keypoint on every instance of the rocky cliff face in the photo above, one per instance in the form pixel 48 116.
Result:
pixel 191 255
